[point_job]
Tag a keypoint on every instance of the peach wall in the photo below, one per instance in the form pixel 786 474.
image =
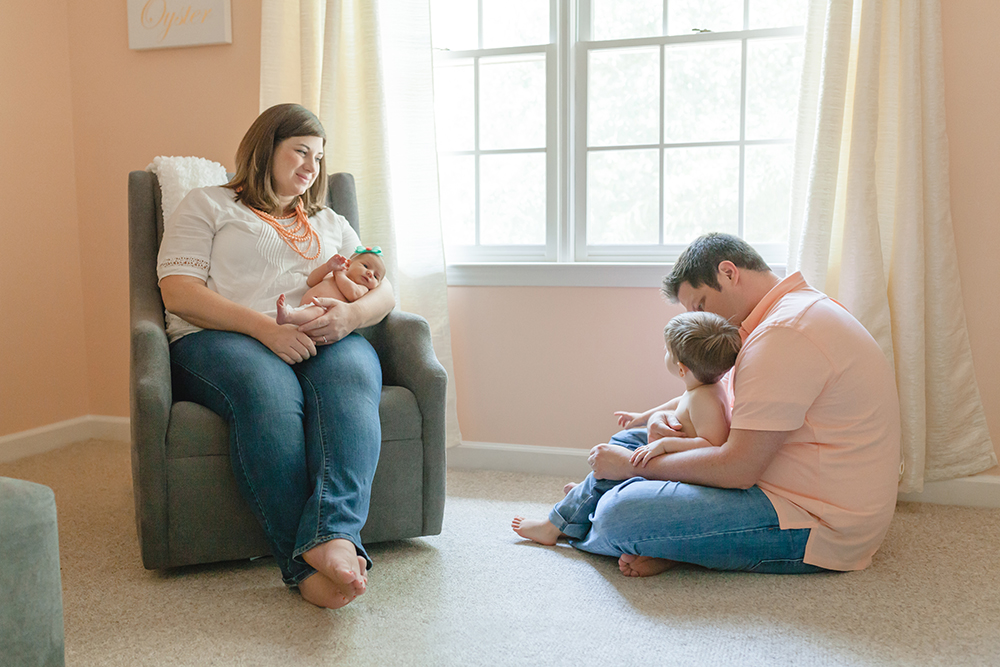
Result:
pixel 43 370
pixel 81 110
pixel 129 107
pixel 972 97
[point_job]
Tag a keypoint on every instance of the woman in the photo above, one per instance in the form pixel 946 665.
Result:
pixel 301 401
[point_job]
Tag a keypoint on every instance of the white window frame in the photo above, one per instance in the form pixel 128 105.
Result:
pixel 566 260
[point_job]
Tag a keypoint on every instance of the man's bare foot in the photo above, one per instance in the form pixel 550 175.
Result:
pixel 339 562
pixel 543 532
pixel 569 487
pixel 643 566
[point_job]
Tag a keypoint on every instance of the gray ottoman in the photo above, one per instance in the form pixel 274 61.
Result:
pixel 31 618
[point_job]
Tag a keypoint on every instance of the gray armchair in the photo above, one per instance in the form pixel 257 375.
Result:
pixel 188 508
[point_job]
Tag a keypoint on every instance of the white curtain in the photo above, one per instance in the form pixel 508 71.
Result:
pixel 365 68
pixel 871 219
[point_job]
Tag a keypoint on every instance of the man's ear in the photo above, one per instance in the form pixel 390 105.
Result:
pixel 729 270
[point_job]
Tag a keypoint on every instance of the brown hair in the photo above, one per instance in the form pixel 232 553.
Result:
pixel 699 263
pixel 704 342
pixel 253 182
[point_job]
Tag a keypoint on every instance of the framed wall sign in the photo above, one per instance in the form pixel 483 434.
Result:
pixel 162 24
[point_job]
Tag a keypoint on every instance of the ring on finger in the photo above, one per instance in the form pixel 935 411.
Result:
pixel 325 340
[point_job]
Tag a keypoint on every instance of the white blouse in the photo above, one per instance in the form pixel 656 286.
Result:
pixel 213 237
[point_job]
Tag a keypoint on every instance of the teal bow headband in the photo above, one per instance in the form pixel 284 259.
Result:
pixel 361 249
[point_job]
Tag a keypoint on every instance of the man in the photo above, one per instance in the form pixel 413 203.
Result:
pixel 807 480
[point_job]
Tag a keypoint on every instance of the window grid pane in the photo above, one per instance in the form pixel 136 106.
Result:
pixel 728 113
pixel 491 106
pixel 682 130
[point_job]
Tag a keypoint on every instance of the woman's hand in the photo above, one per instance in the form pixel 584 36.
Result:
pixel 191 299
pixel 290 344
pixel 339 320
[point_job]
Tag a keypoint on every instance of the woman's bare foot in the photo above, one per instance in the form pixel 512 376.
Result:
pixel 317 589
pixel 339 562
pixel 643 566
pixel 569 487
pixel 543 532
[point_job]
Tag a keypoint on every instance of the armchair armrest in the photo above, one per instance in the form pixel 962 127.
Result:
pixel 150 416
pixel 151 395
pixel 403 343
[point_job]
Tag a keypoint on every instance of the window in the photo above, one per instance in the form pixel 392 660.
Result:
pixel 614 130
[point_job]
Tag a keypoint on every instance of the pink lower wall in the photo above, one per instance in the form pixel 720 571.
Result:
pixel 535 366
pixel 549 366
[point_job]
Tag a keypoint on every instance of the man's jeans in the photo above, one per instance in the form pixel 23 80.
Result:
pixel 721 529
pixel 304 439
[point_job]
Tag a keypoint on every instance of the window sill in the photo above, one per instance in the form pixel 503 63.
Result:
pixel 567 274
pixel 549 274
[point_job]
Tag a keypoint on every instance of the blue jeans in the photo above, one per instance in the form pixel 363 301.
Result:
pixel 304 439
pixel 721 529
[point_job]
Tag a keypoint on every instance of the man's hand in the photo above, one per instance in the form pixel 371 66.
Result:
pixel 611 462
pixel 663 425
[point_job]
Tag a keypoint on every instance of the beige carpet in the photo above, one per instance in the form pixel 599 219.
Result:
pixel 479 595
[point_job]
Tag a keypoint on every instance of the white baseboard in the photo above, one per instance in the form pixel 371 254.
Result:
pixel 977 491
pixel 54 436
pixel 520 458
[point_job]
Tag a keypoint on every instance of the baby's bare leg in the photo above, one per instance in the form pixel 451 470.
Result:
pixel 543 532
pixel 290 315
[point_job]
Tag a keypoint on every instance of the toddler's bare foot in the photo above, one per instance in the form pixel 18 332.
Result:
pixel 643 566
pixel 543 532
pixel 339 561
pixel 569 487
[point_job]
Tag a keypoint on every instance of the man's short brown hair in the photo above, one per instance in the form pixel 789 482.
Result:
pixel 699 263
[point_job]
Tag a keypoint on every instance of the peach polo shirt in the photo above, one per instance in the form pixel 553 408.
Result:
pixel 809 367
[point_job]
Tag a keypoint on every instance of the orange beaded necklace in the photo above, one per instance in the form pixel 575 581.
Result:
pixel 299 235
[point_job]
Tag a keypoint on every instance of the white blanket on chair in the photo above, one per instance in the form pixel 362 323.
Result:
pixel 180 175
